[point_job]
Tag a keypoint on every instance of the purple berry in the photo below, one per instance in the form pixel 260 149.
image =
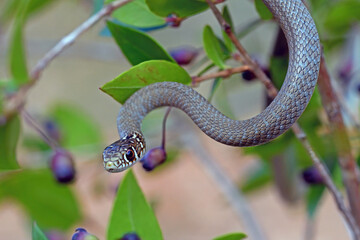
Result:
pixel 248 75
pixel 52 130
pixel 173 20
pixel 153 158
pixel 62 166
pixel 54 235
pixel 346 70
pixel 82 234
pixel 312 176
pixel 184 55
pixel 130 236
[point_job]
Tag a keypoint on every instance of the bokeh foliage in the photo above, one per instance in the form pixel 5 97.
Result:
pixel 55 206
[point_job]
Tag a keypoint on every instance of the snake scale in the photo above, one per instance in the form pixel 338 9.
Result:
pixel 292 99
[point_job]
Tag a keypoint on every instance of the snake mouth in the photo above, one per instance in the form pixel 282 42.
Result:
pixel 115 167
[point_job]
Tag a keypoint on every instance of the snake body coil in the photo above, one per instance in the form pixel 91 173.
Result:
pixel 279 116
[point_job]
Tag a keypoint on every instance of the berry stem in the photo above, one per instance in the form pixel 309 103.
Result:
pixel 33 123
pixel 164 128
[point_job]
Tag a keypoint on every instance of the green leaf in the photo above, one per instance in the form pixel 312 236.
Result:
pixel 183 8
pixel 50 204
pixel 214 87
pixel 1 102
pixel 9 135
pixel 123 86
pixel 313 197
pixel 221 100
pixel 35 143
pixel 342 16
pixel 37 234
pixel 17 58
pixel 97 5
pixel 257 178
pixel 273 148
pixel 278 69
pixel 10 7
pixel 137 13
pixel 262 10
pixel 16 55
pixel 77 129
pixel 137 47
pixel 131 213
pixel 212 47
pixel 231 236
pixel 315 192
pixel 317 5
pixel 227 40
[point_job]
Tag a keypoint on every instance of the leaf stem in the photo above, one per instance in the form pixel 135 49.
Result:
pixel 33 123
pixel 339 199
pixel 163 140
pixel 223 73
pixel 245 58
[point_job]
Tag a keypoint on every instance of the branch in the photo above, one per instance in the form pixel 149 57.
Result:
pixel 224 74
pixel 339 200
pixel 347 161
pixel 18 99
pixel 245 58
pixel 68 40
pixel 345 107
pixel 300 134
pixel 33 123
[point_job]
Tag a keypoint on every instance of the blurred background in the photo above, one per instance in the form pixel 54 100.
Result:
pixel 186 199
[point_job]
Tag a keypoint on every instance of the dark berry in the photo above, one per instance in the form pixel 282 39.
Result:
pixel 346 70
pixel 130 236
pixel 62 166
pixel 312 176
pixel 82 234
pixel 153 158
pixel 173 21
pixel 184 55
pixel 52 130
pixel 248 75
pixel 358 88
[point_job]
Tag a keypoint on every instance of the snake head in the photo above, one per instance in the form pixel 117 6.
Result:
pixel 124 153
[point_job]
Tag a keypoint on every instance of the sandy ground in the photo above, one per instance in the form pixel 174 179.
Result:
pixel 189 204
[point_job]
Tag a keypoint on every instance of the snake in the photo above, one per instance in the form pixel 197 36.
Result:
pixel 295 93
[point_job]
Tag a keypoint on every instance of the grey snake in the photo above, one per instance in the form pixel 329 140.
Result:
pixel 292 99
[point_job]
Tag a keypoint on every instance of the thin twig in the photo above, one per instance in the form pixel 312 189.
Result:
pixel 224 74
pixel 345 107
pixel 328 182
pixel 350 171
pixel 18 99
pixel 164 127
pixel 33 123
pixel 68 40
pixel 246 59
pixel 272 92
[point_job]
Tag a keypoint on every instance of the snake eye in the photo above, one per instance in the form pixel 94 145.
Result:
pixel 130 155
